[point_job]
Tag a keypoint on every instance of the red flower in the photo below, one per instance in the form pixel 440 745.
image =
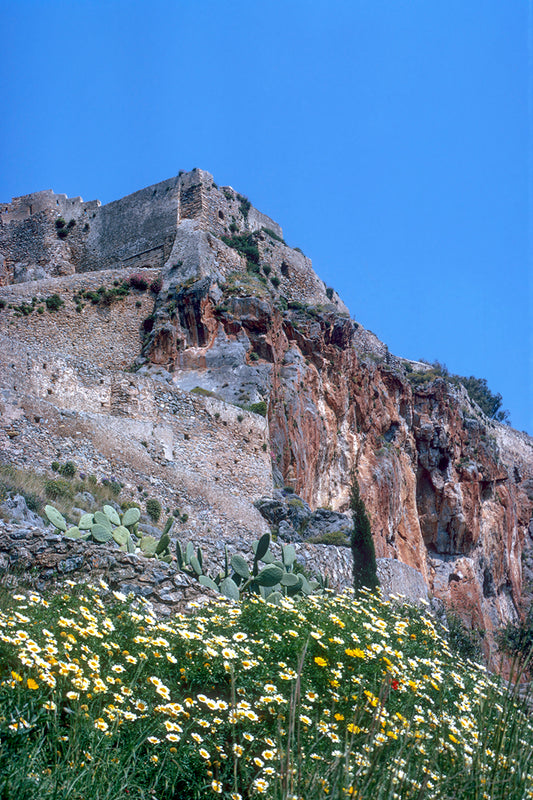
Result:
pixel 395 685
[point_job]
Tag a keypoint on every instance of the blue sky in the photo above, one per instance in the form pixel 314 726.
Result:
pixel 389 138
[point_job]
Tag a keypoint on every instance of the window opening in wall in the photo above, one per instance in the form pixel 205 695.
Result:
pixel 221 215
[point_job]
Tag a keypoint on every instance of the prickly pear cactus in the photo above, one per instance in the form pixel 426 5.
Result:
pixel 268 577
pixel 106 525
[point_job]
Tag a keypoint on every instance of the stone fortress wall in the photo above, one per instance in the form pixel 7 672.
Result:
pixel 27 205
pixel 139 231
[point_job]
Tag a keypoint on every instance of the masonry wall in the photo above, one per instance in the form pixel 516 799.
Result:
pixel 136 231
pixel 68 207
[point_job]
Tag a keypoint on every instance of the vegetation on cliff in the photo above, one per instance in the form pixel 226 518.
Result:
pixel 364 555
pixel 477 388
pixel 333 696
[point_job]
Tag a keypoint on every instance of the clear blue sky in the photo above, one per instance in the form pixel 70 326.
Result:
pixel 389 138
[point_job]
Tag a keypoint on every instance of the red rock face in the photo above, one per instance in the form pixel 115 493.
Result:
pixel 440 491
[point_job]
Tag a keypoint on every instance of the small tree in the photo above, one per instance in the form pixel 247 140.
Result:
pixel 362 544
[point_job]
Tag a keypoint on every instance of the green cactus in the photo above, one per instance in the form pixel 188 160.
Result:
pixel 102 526
pixel 148 545
pixel 100 533
pixel 57 519
pixel 86 522
pixel 121 535
pixel 111 514
pixel 271 578
pixel 131 517
pixel 102 519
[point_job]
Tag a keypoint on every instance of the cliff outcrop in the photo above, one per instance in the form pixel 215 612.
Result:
pixel 242 371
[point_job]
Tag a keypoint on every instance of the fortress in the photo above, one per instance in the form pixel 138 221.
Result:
pixel 137 231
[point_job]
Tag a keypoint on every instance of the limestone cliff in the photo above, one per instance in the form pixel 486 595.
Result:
pixel 240 324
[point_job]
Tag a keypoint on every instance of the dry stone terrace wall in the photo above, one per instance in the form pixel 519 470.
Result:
pixel 107 337
pixel 45 559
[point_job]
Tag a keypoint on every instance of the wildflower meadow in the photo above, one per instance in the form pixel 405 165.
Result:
pixel 333 696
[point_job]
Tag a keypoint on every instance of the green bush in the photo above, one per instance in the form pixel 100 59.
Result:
pixel 337 538
pixel 153 508
pixel 54 302
pixel 477 388
pixel 465 642
pixel 516 639
pixel 246 245
pixel 273 235
pixel 58 488
pixel 259 408
pixel 68 469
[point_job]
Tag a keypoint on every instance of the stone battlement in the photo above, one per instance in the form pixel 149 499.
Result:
pixel 136 231
pixel 25 206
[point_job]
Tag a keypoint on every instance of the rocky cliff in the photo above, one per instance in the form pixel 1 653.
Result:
pixel 239 372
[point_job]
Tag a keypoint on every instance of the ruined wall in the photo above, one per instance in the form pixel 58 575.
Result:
pixel 134 232
pixel 25 206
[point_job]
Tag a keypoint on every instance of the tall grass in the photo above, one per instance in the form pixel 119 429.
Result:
pixel 38 489
pixel 329 697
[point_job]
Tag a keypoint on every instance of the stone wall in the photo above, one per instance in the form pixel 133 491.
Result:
pixel 45 559
pixel 25 206
pixel 137 230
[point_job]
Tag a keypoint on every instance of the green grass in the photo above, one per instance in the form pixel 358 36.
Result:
pixel 38 489
pixel 331 697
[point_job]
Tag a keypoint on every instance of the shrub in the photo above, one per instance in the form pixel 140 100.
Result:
pixel 54 302
pixel 153 508
pixel 129 504
pixel 275 281
pixel 516 639
pixel 244 205
pixel 58 488
pixel 112 484
pixel 337 538
pixel 259 408
pixel 68 469
pixel 246 245
pixel 329 292
pixel 155 286
pixel 464 641
pixel 139 282
pixel 490 404
pixel 273 235
pixel 55 466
